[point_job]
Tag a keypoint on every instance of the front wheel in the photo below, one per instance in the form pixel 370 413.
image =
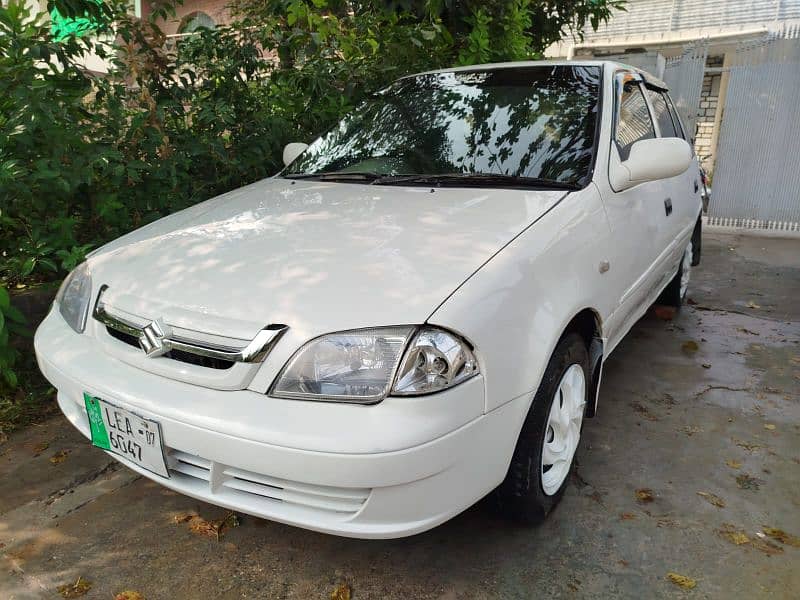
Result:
pixel 546 447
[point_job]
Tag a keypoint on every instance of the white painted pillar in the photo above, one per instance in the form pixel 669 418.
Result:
pixel 718 115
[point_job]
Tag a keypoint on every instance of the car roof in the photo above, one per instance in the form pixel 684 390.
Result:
pixel 610 64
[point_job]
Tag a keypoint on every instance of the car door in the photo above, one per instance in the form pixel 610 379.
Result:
pixel 636 215
pixel 692 187
pixel 681 191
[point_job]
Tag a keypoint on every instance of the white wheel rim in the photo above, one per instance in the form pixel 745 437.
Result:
pixel 563 429
pixel 686 269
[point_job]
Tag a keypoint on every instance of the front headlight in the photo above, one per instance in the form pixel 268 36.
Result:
pixel 361 365
pixel 73 297
pixel 435 360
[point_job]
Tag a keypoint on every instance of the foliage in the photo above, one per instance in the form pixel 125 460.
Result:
pixel 472 30
pixel 42 161
pixel 84 159
pixel 329 58
pixel 518 28
pixel 11 322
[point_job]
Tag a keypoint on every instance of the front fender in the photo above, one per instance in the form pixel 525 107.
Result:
pixel 516 307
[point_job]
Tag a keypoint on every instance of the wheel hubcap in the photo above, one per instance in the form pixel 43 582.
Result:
pixel 686 269
pixel 563 429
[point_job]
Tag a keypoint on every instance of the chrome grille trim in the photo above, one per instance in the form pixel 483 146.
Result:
pixel 255 351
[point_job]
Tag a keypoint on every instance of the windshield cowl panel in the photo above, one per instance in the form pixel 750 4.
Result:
pixel 533 124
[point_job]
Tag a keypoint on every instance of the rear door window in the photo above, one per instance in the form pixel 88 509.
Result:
pixel 661 113
pixel 681 132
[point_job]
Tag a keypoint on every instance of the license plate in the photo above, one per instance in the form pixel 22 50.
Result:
pixel 126 434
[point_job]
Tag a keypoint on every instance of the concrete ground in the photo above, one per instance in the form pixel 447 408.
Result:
pixel 707 403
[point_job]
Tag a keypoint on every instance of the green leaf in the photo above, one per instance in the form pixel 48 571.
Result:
pixel 5 300
pixel 28 266
pixel 13 314
pixel 428 34
pixel 49 264
pixel 10 377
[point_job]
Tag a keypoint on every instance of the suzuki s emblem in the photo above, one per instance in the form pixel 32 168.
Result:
pixel 153 337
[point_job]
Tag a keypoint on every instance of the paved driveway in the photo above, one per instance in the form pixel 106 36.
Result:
pixel 707 403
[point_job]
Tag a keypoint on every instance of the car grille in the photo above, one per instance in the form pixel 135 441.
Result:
pixel 241 483
pixel 186 357
pixel 157 339
pixel 225 356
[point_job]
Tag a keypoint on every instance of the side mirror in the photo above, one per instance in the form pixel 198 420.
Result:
pixel 650 160
pixel 292 151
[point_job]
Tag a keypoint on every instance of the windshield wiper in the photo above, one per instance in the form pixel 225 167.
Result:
pixel 453 179
pixel 336 176
pixel 477 180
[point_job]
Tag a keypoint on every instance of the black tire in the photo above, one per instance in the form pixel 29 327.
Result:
pixel 521 496
pixel 672 296
pixel 697 242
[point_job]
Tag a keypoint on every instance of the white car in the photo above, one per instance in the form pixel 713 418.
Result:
pixel 413 315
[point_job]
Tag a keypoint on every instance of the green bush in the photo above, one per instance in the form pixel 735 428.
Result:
pixel 11 322
pixel 84 159
pixel 43 152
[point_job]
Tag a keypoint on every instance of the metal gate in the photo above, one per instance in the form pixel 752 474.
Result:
pixel 757 175
pixel 684 77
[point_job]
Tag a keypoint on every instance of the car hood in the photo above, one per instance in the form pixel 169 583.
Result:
pixel 317 256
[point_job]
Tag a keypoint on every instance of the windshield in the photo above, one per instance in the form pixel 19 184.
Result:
pixel 526 122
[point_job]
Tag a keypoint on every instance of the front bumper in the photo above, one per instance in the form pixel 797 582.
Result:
pixel 354 491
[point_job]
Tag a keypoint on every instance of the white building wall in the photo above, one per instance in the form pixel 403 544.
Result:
pixel 661 16
pixel 646 23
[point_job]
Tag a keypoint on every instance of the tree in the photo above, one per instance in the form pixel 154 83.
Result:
pixel 521 26
pixel 476 31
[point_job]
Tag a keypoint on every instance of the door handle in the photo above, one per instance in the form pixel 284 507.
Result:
pixel 668 206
